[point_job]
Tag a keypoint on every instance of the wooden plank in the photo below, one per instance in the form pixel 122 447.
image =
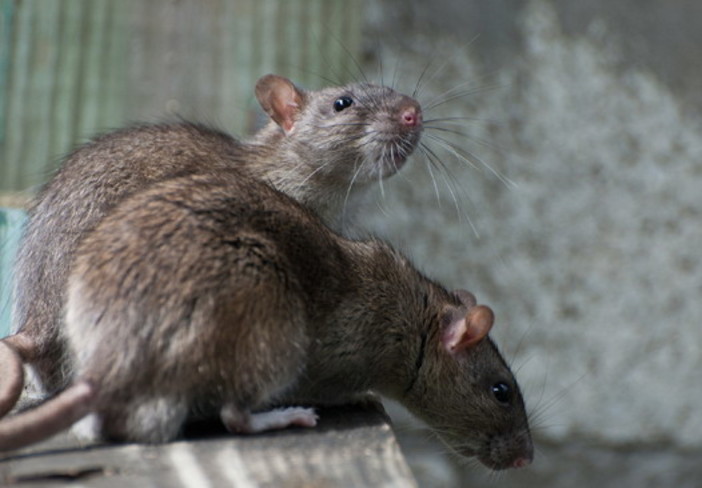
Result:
pixel 353 446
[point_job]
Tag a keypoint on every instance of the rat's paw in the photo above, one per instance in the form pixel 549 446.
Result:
pixel 87 430
pixel 279 418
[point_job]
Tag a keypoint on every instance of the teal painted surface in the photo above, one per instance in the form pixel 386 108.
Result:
pixel 11 221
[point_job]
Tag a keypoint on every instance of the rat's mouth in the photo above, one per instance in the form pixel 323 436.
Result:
pixel 393 163
pixel 514 461
pixel 395 156
pixel 491 463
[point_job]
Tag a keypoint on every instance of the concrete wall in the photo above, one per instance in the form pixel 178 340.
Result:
pixel 588 246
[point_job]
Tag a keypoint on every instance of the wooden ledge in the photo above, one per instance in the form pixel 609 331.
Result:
pixel 353 446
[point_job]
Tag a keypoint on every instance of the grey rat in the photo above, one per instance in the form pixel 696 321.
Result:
pixel 217 294
pixel 320 147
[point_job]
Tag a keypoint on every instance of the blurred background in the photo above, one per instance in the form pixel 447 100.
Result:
pixel 577 217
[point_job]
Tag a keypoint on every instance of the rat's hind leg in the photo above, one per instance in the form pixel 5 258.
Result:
pixel 150 419
pixel 239 421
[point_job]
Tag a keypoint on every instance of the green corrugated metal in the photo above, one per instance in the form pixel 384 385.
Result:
pixel 7 10
pixel 70 68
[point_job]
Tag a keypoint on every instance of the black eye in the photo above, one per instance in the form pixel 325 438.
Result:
pixel 502 392
pixel 342 102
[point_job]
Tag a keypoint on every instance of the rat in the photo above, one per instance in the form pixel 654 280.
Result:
pixel 215 294
pixel 321 147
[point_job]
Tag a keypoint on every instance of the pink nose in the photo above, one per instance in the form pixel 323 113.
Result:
pixel 521 462
pixel 411 117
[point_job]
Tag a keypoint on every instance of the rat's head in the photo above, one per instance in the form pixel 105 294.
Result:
pixel 466 392
pixel 348 135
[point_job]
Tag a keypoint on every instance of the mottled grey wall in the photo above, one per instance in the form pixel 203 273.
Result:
pixel 588 247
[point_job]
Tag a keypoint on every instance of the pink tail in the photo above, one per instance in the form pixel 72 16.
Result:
pixel 48 419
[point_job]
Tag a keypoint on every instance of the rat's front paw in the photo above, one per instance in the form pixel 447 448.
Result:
pixel 279 418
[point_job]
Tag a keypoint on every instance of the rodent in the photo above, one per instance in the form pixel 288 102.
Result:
pixel 320 147
pixel 217 294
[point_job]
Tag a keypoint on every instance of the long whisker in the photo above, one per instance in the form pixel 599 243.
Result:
pixel 351 56
pixel 478 140
pixel 447 146
pixel 418 85
pixel 470 159
pixel 348 190
pixel 543 409
pixel 451 185
pixel 393 83
pixel 431 173
pixel 455 120
pixel 454 94
pixel 314 172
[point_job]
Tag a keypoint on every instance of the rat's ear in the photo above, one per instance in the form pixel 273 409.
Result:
pixel 280 99
pixel 462 332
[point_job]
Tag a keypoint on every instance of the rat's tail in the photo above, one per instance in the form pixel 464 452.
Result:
pixel 11 374
pixel 47 419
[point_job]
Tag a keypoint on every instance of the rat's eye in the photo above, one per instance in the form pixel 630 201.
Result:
pixel 502 392
pixel 342 102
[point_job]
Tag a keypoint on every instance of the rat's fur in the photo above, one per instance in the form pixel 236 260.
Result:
pixel 309 150
pixel 215 293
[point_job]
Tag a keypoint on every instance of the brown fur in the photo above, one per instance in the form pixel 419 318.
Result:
pixel 319 160
pixel 214 290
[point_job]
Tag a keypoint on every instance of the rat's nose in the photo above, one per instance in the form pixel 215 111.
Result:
pixel 521 462
pixel 411 116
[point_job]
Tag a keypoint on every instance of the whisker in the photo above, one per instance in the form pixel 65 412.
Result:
pixel 342 124
pixel 431 173
pixel 314 172
pixel 449 120
pixel 351 56
pixel 467 135
pixel 538 413
pixel 348 190
pixel 454 94
pixel 470 158
pixel 422 82
pixel 380 177
pixel 447 146
pixel 380 70
pixel 451 185
pixel 394 75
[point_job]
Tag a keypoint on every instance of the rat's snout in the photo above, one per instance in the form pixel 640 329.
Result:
pixel 412 117
pixel 526 454
pixel 522 462
pixel 410 114
pixel 511 450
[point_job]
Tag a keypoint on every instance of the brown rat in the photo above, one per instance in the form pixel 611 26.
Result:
pixel 216 294
pixel 320 147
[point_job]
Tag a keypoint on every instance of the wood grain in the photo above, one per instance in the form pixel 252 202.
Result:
pixel 353 446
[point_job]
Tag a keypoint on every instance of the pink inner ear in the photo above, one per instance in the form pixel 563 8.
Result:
pixel 465 332
pixel 285 111
pixel 281 100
